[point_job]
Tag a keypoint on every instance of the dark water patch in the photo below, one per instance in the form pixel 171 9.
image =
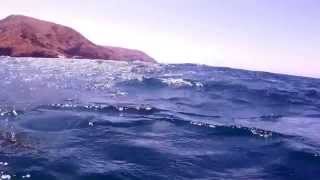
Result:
pixel 53 121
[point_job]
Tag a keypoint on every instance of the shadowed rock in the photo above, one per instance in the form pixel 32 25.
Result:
pixel 22 36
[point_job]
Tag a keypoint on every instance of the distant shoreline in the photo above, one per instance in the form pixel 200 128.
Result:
pixel 22 36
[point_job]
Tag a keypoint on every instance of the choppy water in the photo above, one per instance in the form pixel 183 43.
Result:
pixel 81 119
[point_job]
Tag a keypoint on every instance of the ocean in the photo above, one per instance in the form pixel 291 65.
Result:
pixel 95 120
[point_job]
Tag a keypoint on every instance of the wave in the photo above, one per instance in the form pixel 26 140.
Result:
pixel 94 119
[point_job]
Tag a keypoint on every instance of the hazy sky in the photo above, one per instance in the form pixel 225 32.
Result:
pixel 271 35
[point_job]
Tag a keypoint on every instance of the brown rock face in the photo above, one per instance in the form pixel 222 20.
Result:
pixel 22 36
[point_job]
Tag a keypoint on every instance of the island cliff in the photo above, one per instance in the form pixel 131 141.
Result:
pixel 22 36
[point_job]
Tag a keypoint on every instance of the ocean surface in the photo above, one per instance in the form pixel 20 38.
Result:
pixel 97 120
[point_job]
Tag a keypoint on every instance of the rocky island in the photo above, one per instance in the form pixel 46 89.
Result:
pixel 22 36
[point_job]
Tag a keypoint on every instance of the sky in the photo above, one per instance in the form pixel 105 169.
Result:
pixel 281 36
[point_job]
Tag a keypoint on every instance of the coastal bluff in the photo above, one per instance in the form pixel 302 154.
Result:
pixel 23 36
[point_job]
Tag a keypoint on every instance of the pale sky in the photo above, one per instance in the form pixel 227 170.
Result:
pixel 271 35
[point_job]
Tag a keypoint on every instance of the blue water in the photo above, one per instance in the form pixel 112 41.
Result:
pixel 87 120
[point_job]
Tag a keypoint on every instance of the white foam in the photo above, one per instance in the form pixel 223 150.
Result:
pixel 293 126
pixel 177 82
pixel 5 176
